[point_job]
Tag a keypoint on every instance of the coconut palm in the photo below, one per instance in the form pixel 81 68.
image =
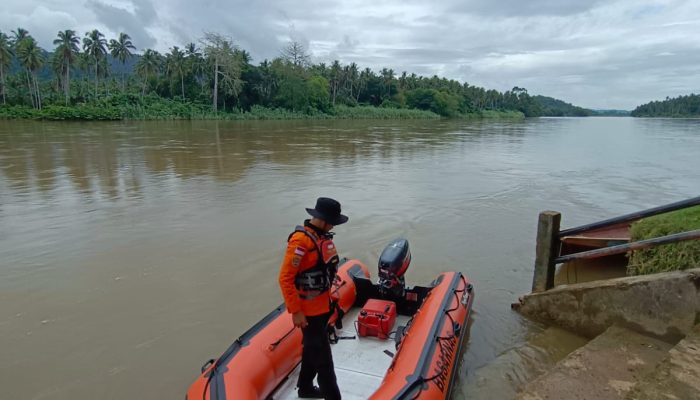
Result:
pixel 67 50
pixel 5 61
pixel 175 66
pixel 121 50
pixel 95 45
pixel 353 76
pixel 387 78
pixel 18 35
pixel 148 66
pixel 31 58
pixel 335 73
pixel 195 63
pixel 104 71
pixel 57 67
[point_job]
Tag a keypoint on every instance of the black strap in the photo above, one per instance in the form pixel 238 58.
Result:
pixel 299 228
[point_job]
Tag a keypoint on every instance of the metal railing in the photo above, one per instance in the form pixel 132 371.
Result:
pixel 549 242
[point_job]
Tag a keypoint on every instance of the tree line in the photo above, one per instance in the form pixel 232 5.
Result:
pixel 89 69
pixel 681 106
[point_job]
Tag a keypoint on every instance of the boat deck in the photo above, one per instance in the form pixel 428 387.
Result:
pixel 360 363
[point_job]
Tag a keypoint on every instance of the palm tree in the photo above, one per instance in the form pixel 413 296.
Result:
pixel 19 35
pixel 5 61
pixel 362 82
pixel 175 66
pixel 95 45
pixel 57 67
pixel 192 51
pixel 67 49
pixel 148 66
pixel 195 63
pixel 353 77
pixel 104 71
pixel 388 77
pixel 31 57
pixel 267 83
pixel 84 65
pixel 121 50
pixel 335 73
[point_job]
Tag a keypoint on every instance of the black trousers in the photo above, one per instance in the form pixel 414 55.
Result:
pixel 316 358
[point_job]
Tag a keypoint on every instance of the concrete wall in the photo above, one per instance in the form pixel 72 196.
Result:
pixel 665 305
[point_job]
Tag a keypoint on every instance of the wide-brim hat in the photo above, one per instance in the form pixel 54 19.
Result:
pixel 328 210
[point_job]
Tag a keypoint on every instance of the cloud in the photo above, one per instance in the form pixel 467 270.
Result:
pixel 526 7
pixel 120 19
pixel 35 20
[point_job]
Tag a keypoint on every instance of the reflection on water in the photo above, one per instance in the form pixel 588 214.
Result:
pixel 132 252
pixel 113 163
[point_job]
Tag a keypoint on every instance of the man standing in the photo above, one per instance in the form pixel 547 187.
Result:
pixel 306 276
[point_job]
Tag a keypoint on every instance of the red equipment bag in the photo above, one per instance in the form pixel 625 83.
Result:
pixel 376 318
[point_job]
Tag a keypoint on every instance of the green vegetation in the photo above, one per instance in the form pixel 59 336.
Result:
pixel 557 108
pixel 611 113
pixel 671 257
pixel 679 107
pixel 154 107
pixel 96 79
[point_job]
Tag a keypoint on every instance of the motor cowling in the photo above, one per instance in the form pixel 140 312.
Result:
pixel 393 264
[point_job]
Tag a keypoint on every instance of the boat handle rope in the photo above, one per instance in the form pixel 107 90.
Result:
pixel 456 330
pixel 337 286
pixel 274 345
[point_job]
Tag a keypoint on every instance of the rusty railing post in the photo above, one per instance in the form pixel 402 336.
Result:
pixel 547 250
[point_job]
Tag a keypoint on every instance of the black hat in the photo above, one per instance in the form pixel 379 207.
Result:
pixel 328 210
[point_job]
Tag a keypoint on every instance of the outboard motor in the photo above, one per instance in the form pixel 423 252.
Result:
pixel 393 263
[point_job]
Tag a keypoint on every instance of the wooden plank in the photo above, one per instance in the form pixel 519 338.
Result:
pixel 546 251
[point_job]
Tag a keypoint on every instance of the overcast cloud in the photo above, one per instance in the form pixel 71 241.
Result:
pixel 593 53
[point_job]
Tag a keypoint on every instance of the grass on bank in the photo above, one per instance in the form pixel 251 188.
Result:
pixel 155 108
pixel 670 257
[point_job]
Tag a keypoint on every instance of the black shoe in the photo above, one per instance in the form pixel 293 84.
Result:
pixel 312 392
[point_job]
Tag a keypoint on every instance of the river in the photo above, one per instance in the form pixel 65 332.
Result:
pixel 131 252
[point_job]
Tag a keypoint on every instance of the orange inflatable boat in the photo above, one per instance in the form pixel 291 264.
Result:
pixel 389 341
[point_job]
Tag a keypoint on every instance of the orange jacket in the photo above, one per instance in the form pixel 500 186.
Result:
pixel 301 255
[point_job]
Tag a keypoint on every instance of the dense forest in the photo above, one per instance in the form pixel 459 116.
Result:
pixel 678 107
pixel 557 108
pixel 91 77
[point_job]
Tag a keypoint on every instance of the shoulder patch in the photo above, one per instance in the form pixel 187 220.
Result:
pixel 296 260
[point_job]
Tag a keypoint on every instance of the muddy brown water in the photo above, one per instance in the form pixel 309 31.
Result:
pixel 131 252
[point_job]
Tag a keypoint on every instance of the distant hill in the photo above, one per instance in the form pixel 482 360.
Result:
pixel 678 107
pixel 552 107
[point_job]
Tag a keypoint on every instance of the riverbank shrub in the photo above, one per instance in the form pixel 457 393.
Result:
pixel 370 112
pixel 498 114
pixel 670 257
pixel 152 107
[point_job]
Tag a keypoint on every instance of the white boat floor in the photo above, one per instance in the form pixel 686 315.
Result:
pixel 360 363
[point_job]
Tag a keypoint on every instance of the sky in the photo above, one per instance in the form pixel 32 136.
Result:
pixel 613 54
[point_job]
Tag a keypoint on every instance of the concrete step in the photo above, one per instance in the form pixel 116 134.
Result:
pixel 604 369
pixel 502 377
pixel 677 377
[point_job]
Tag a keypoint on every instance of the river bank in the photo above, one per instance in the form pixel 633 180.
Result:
pixel 173 110
pixel 636 323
